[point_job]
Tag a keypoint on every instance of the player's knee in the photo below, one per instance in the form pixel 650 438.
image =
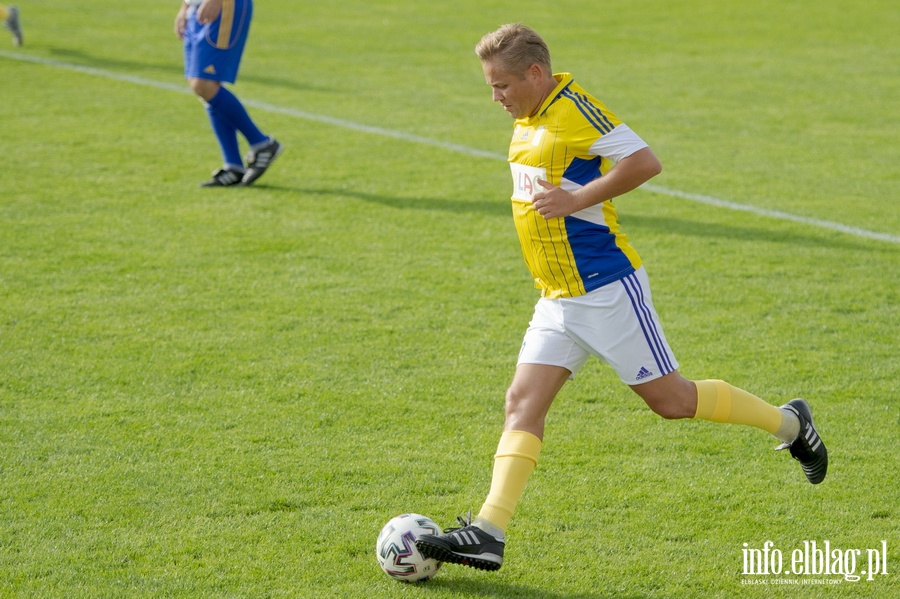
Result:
pixel 671 410
pixel 671 397
pixel 670 404
pixel 521 407
pixel 514 402
pixel 205 88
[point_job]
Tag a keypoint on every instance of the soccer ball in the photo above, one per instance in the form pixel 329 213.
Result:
pixel 396 550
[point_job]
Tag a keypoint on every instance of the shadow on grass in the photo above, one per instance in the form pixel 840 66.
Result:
pixel 775 234
pixel 492 208
pixel 630 223
pixel 131 67
pixel 439 587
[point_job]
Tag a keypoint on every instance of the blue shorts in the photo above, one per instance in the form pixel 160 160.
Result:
pixel 213 51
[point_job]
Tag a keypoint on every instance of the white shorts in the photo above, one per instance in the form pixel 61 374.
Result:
pixel 616 323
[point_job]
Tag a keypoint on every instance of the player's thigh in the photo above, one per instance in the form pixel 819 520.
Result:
pixel 547 342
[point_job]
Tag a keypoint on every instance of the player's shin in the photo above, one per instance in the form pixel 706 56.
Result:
pixel 517 455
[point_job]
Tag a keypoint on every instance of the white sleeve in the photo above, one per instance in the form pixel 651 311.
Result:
pixel 619 143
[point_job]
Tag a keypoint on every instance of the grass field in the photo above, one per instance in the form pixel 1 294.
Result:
pixel 226 393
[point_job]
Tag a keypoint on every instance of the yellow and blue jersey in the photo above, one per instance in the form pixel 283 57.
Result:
pixel 572 140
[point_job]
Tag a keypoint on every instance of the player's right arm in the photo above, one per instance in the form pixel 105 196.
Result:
pixel 627 174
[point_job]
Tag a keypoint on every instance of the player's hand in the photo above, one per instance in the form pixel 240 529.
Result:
pixel 208 11
pixel 181 21
pixel 553 202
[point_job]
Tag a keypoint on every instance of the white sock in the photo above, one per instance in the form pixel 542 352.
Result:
pixel 261 144
pixel 790 427
pixel 489 528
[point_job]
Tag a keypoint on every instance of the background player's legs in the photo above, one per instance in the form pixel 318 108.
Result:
pixel 229 108
pixel 225 131
pixel 9 15
pixel 263 149
pixel 226 135
pixel 227 116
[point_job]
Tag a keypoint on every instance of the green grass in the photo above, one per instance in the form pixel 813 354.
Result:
pixel 226 393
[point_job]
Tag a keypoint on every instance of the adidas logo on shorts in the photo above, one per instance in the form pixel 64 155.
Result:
pixel 642 374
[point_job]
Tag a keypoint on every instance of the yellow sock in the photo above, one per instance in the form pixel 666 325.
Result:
pixel 720 402
pixel 4 14
pixel 517 455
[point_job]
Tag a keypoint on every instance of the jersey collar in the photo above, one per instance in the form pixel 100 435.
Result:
pixel 564 80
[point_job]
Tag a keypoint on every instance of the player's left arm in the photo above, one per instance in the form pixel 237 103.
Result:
pixel 627 174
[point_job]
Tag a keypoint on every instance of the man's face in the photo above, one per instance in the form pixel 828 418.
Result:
pixel 519 93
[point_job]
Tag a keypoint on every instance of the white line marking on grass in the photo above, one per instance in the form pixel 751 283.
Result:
pixel 418 139
pixel 452 147
pixel 824 224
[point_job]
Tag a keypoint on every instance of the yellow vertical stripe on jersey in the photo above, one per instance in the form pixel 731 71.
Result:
pixel 550 262
pixel 225 24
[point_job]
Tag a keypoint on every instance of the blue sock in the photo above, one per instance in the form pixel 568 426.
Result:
pixel 230 108
pixel 226 134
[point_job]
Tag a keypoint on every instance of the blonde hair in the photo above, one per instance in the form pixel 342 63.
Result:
pixel 516 47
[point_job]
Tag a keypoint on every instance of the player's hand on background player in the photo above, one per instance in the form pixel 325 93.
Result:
pixel 208 11
pixel 181 21
pixel 554 202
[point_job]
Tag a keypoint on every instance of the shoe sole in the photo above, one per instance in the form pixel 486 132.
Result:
pixel 218 184
pixel 209 184
pixel 443 554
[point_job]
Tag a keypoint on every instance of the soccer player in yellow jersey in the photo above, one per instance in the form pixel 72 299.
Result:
pixel 9 15
pixel 569 157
